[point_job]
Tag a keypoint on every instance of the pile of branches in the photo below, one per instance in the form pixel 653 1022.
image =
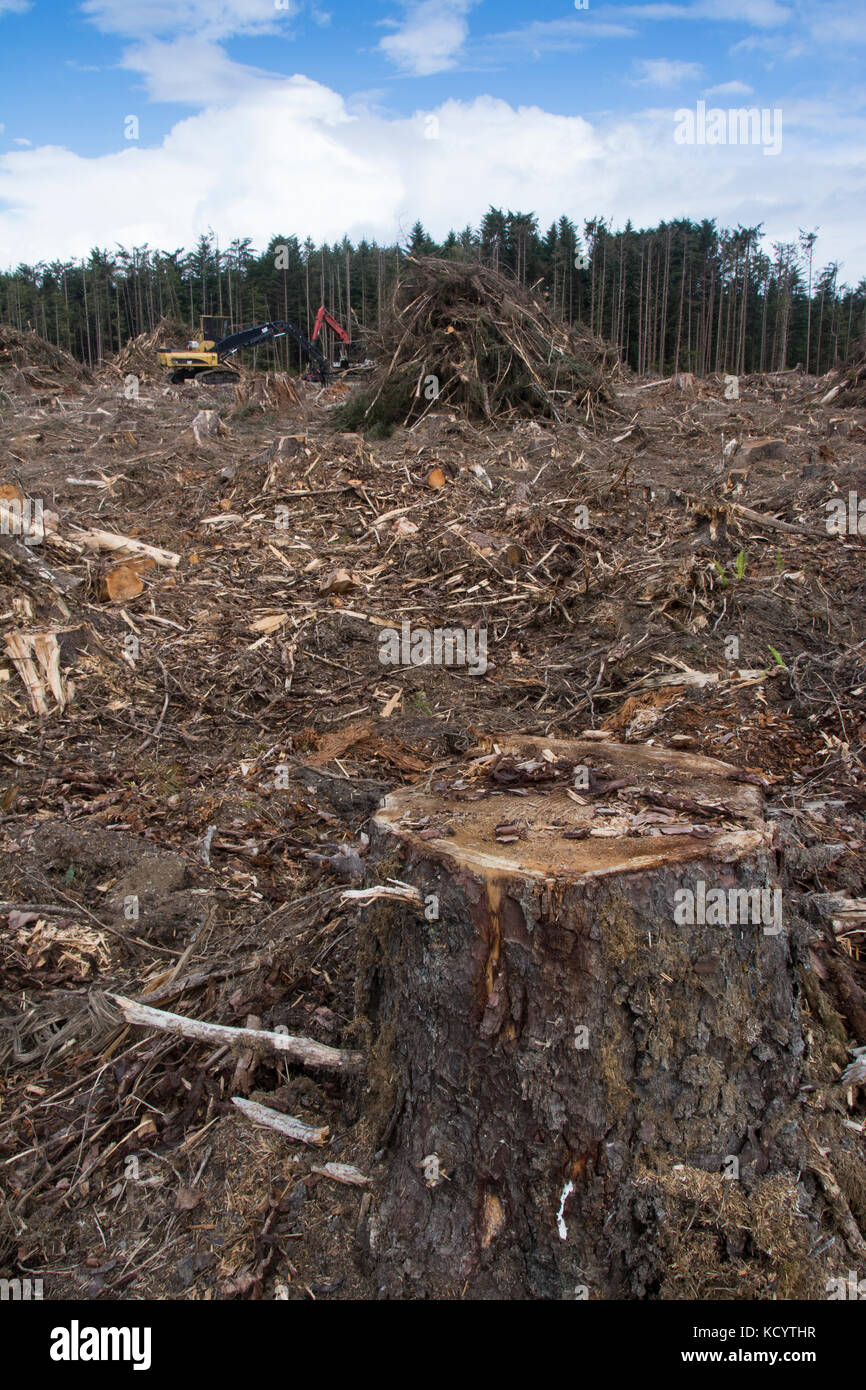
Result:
pixel 854 378
pixel 30 363
pixel 270 391
pixel 847 383
pixel 139 356
pixel 463 336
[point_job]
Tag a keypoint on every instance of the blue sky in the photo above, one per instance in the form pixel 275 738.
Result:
pixel 320 116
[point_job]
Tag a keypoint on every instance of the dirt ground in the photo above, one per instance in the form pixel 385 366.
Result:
pixel 178 826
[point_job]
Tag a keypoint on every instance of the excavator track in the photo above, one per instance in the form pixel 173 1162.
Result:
pixel 217 377
pixel 210 376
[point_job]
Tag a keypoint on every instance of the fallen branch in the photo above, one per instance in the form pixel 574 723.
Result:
pixel 285 1124
pixel 302 1050
pixel 342 1172
pixel 44 909
pixel 126 545
pixel 404 894
pixel 772 523
pixel 841 1210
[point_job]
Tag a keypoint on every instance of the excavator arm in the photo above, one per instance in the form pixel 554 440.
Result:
pixel 350 353
pixel 323 317
pixel 264 333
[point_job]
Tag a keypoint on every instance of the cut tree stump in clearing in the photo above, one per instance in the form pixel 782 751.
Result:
pixel 544 1032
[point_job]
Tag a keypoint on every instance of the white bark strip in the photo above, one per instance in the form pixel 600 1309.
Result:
pixel 303 1050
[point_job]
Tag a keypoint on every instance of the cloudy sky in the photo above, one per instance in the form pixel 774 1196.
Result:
pixel 151 121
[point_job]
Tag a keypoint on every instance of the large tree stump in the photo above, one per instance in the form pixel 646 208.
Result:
pixel 557 1029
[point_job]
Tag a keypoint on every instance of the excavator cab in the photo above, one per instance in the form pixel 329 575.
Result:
pixel 202 359
pixel 212 330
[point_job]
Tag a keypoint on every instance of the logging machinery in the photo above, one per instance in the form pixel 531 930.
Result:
pixel 348 351
pixel 350 355
pixel 208 358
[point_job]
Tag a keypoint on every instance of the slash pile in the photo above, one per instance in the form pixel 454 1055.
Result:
pixel 139 356
pixel 29 363
pixel 460 334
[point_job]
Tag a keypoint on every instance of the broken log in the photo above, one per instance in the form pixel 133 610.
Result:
pixel 568 1011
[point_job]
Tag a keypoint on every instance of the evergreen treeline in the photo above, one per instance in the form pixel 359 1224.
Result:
pixel 680 296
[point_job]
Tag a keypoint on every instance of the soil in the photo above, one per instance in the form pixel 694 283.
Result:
pixel 181 828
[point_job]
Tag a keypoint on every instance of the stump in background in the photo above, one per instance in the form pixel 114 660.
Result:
pixel 553 1033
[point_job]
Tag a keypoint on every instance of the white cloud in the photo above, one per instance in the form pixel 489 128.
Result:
pixel 215 19
pixel 178 46
pixel 666 72
pixel 763 14
pixel 550 36
pixel 14 6
pixel 788 47
pixel 430 37
pixel 837 23
pixel 194 70
pixel 729 89
pixel 290 157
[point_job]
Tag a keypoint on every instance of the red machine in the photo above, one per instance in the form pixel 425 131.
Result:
pixel 350 356
pixel 323 317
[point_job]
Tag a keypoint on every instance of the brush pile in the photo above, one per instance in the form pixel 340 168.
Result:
pixel 269 391
pixel 463 336
pixel 854 379
pixel 139 356
pixel 29 363
pixel 846 385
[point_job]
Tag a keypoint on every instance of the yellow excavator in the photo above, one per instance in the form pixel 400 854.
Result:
pixel 207 358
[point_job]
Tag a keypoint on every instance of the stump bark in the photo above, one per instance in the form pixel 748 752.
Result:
pixel 547 1030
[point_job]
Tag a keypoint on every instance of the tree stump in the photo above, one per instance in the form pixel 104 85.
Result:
pixel 548 1025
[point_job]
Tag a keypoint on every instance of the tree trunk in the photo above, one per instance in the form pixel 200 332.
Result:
pixel 545 1030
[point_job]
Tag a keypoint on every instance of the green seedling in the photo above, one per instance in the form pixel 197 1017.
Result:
pixel 779 660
